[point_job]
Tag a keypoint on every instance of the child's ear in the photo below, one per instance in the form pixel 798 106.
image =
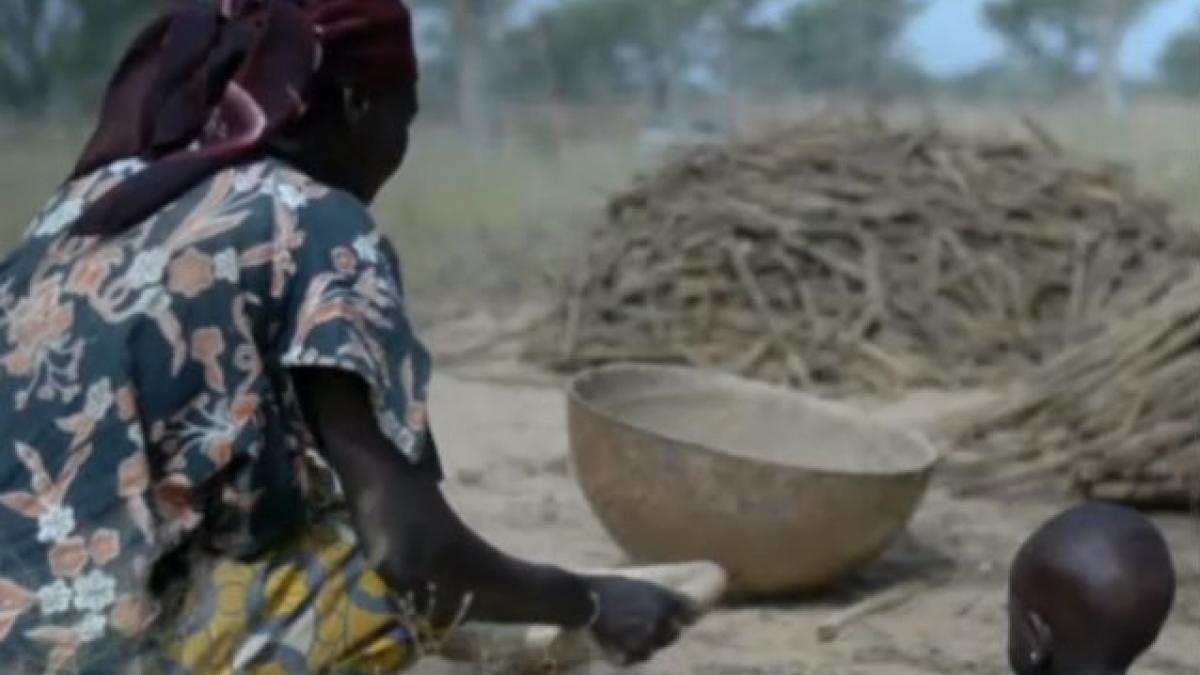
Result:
pixel 1041 639
pixel 1030 642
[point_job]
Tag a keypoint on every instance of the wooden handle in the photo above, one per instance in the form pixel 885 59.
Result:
pixel 702 583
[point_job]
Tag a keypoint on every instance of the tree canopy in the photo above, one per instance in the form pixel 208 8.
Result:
pixel 1068 44
pixel 834 45
pixel 62 49
pixel 480 53
pixel 1179 66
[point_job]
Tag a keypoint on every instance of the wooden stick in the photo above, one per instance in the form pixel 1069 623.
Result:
pixel 795 364
pixel 703 584
pixel 1039 132
pixel 832 627
pixel 570 338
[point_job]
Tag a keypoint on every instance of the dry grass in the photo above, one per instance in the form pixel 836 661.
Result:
pixel 33 161
pixel 456 211
pixel 470 219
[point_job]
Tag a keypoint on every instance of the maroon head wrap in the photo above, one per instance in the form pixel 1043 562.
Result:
pixel 210 83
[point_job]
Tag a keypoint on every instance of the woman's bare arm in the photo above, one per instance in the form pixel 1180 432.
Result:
pixel 410 532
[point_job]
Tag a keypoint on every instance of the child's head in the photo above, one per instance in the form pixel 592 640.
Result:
pixel 1089 592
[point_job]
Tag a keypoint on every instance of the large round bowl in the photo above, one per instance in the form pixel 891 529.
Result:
pixel 785 491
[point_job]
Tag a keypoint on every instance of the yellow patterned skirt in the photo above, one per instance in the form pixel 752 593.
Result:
pixel 312 607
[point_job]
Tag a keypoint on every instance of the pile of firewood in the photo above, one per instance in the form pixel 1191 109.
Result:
pixel 849 257
pixel 1118 415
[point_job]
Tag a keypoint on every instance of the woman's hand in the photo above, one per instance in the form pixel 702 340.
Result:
pixel 634 619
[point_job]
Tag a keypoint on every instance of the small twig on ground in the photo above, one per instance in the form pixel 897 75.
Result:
pixel 832 627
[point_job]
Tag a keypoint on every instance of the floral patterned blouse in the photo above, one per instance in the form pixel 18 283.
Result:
pixel 144 394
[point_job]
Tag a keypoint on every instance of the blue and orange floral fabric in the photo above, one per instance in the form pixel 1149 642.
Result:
pixel 144 396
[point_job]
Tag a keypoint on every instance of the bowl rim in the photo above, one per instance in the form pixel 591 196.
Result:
pixel 918 438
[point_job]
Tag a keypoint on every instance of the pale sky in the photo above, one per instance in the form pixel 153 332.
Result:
pixel 951 37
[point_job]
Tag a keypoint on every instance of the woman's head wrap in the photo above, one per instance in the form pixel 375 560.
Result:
pixel 211 83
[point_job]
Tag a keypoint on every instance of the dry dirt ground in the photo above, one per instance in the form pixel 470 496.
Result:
pixel 505 451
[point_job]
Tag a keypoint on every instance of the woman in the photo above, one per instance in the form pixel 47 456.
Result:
pixel 216 453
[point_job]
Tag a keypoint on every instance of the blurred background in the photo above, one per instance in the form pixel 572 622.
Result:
pixel 535 110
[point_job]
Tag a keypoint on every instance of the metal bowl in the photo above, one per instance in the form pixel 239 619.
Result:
pixel 787 492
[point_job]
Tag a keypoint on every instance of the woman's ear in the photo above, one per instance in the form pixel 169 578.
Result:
pixel 355 106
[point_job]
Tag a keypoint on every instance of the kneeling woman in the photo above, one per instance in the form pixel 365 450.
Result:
pixel 214 445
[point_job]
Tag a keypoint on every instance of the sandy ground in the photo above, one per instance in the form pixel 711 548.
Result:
pixel 505 451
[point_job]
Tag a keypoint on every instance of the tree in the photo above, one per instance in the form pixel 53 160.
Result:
pixel 586 50
pixel 1113 20
pixel 104 32
pixel 31 30
pixel 62 50
pixel 1057 38
pixel 1047 34
pixel 1179 65
pixel 838 46
pixel 580 52
pixel 750 56
pixel 473 28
